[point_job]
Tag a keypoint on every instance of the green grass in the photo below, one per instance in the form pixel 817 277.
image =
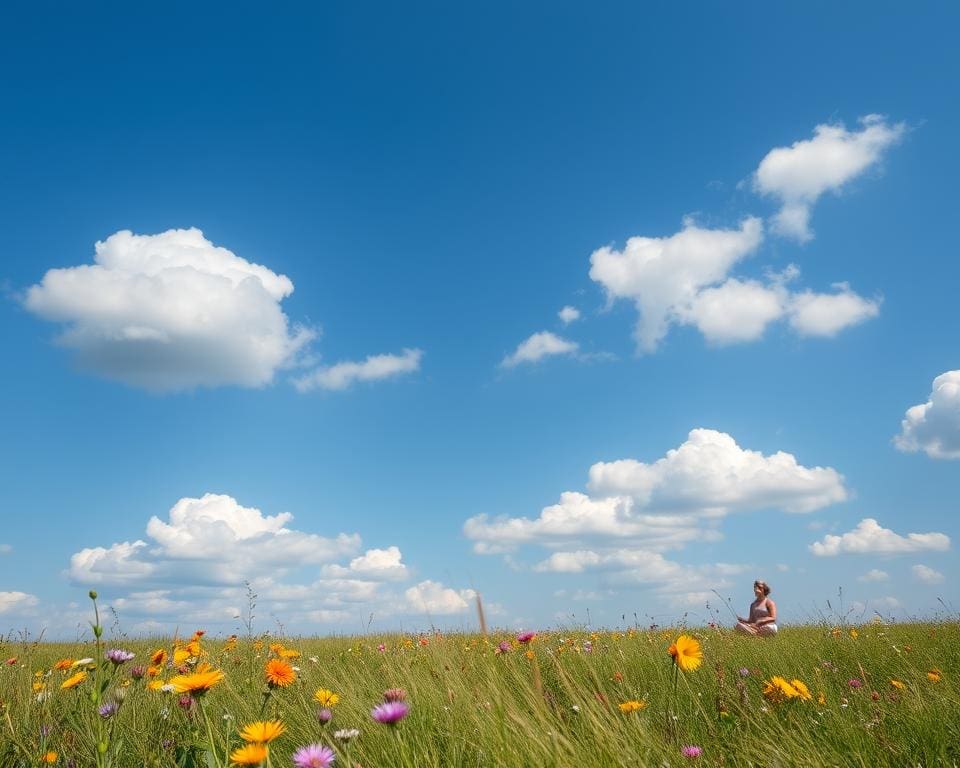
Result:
pixel 473 707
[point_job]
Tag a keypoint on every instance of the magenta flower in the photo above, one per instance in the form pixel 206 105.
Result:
pixel 854 683
pixel 324 716
pixel 314 756
pixel 504 646
pixel 526 637
pixel 691 751
pixel 391 712
pixel 381 647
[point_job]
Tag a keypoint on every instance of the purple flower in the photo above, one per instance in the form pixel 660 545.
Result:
pixel 526 637
pixel 313 756
pixel 587 646
pixel 119 656
pixel 854 683
pixel 108 710
pixel 744 672
pixel 691 751
pixel 324 716
pixel 504 646
pixel 391 712
pixel 138 672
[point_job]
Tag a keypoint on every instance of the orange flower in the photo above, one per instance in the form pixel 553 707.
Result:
pixel 196 683
pixel 632 706
pixel 934 675
pixel 158 657
pixel 262 731
pixel 686 653
pixel 63 664
pixel 49 757
pixel 279 673
pixel 74 680
pixel 249 754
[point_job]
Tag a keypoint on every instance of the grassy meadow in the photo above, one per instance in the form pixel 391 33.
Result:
pixel 872 695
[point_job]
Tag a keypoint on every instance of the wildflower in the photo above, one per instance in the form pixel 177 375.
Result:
pixel 526 637
pixel 691 751
pixel 744 672
pixel 934 675
pixel 821 698
pixel 346 734
pixel 576 708
pixel 530 655
pixel 854 634
pixel 180 656
pixel 381 647
pixel 249 754
pixel 686 653
pixel 118 656
pixel 632 706
pixel 394 694
pixel 325 698
pixel 802 691
pixel 185 702
pixel 81 662
pixel 391 712
pixel 74 680
pixel 288 653
pixel 587 646
pixel 504 647
pixel 854 683
pixel 49 757
pixel 63 664
pixel 897 684
pixel 875 695
pixel 778 689
pixel 324 716
pixel 11 661
pixel 279 674
pixel 313 756
pixel 158 657
pixel 263 731
pixel 157 684
pixel 138 672
pixel 108 710
pixel 196 683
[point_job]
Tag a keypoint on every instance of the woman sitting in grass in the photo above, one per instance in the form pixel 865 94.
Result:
pixel 763 613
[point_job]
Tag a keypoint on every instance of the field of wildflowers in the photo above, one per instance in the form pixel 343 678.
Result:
pixel 878 694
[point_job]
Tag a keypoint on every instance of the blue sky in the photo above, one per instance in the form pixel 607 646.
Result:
pixel 750 210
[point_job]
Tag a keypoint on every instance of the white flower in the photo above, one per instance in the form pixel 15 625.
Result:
pixel 81 662
pixel 346 734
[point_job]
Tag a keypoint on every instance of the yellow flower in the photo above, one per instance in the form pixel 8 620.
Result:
pixel 249 754
pixel 778 689
pixel 530 655
pixel 854 634
pixel 156 684
pixel 934 675
pixel 39 686
pixel 802 691
pixel 193 647
pixel 325 698
pixel 279 673
pixel 196 683
pixel 686 653
pixel 262 731
pixel 180 655
pixel 632 706
pixel 49 758
pixel 289 653
pixel 74 680
pixel 158 657
pixel 897 684
pixel 821 698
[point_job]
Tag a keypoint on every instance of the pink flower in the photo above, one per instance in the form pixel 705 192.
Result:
pixel 381 647
pixel 394 694
pixel 391 712
pixel 691 751
pixel 526 637
pixel 313 756
pixel 854 683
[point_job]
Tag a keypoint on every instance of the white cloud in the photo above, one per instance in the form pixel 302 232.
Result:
pixel 869 537
pixel 735 311
pixel 873 575
pixel 11 602
pixel 5 549
pixel 634 510
pixel 433 598
pixel 934 426
pixel 799 174
pixel 343 375
pixel 539 346
pixel 662 275
pixel 385 564
pixel 826 314
pixel 926 574
pixel 568 315
pixel 171 312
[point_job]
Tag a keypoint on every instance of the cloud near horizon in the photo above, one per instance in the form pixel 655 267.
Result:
pixel 869 537
pixel 194 565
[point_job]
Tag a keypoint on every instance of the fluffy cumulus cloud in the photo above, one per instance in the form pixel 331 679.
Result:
pixel 433 598
pixel 926 574
pixel 568 315
pixel 16 602
pixel 375 367
pixel 634 511
pixel 194 566
pixel 934 426
pixel 869 537
pixel 170 312
pixel 685 279
pixel 539 346
pixel 874 575
pixel 799 174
